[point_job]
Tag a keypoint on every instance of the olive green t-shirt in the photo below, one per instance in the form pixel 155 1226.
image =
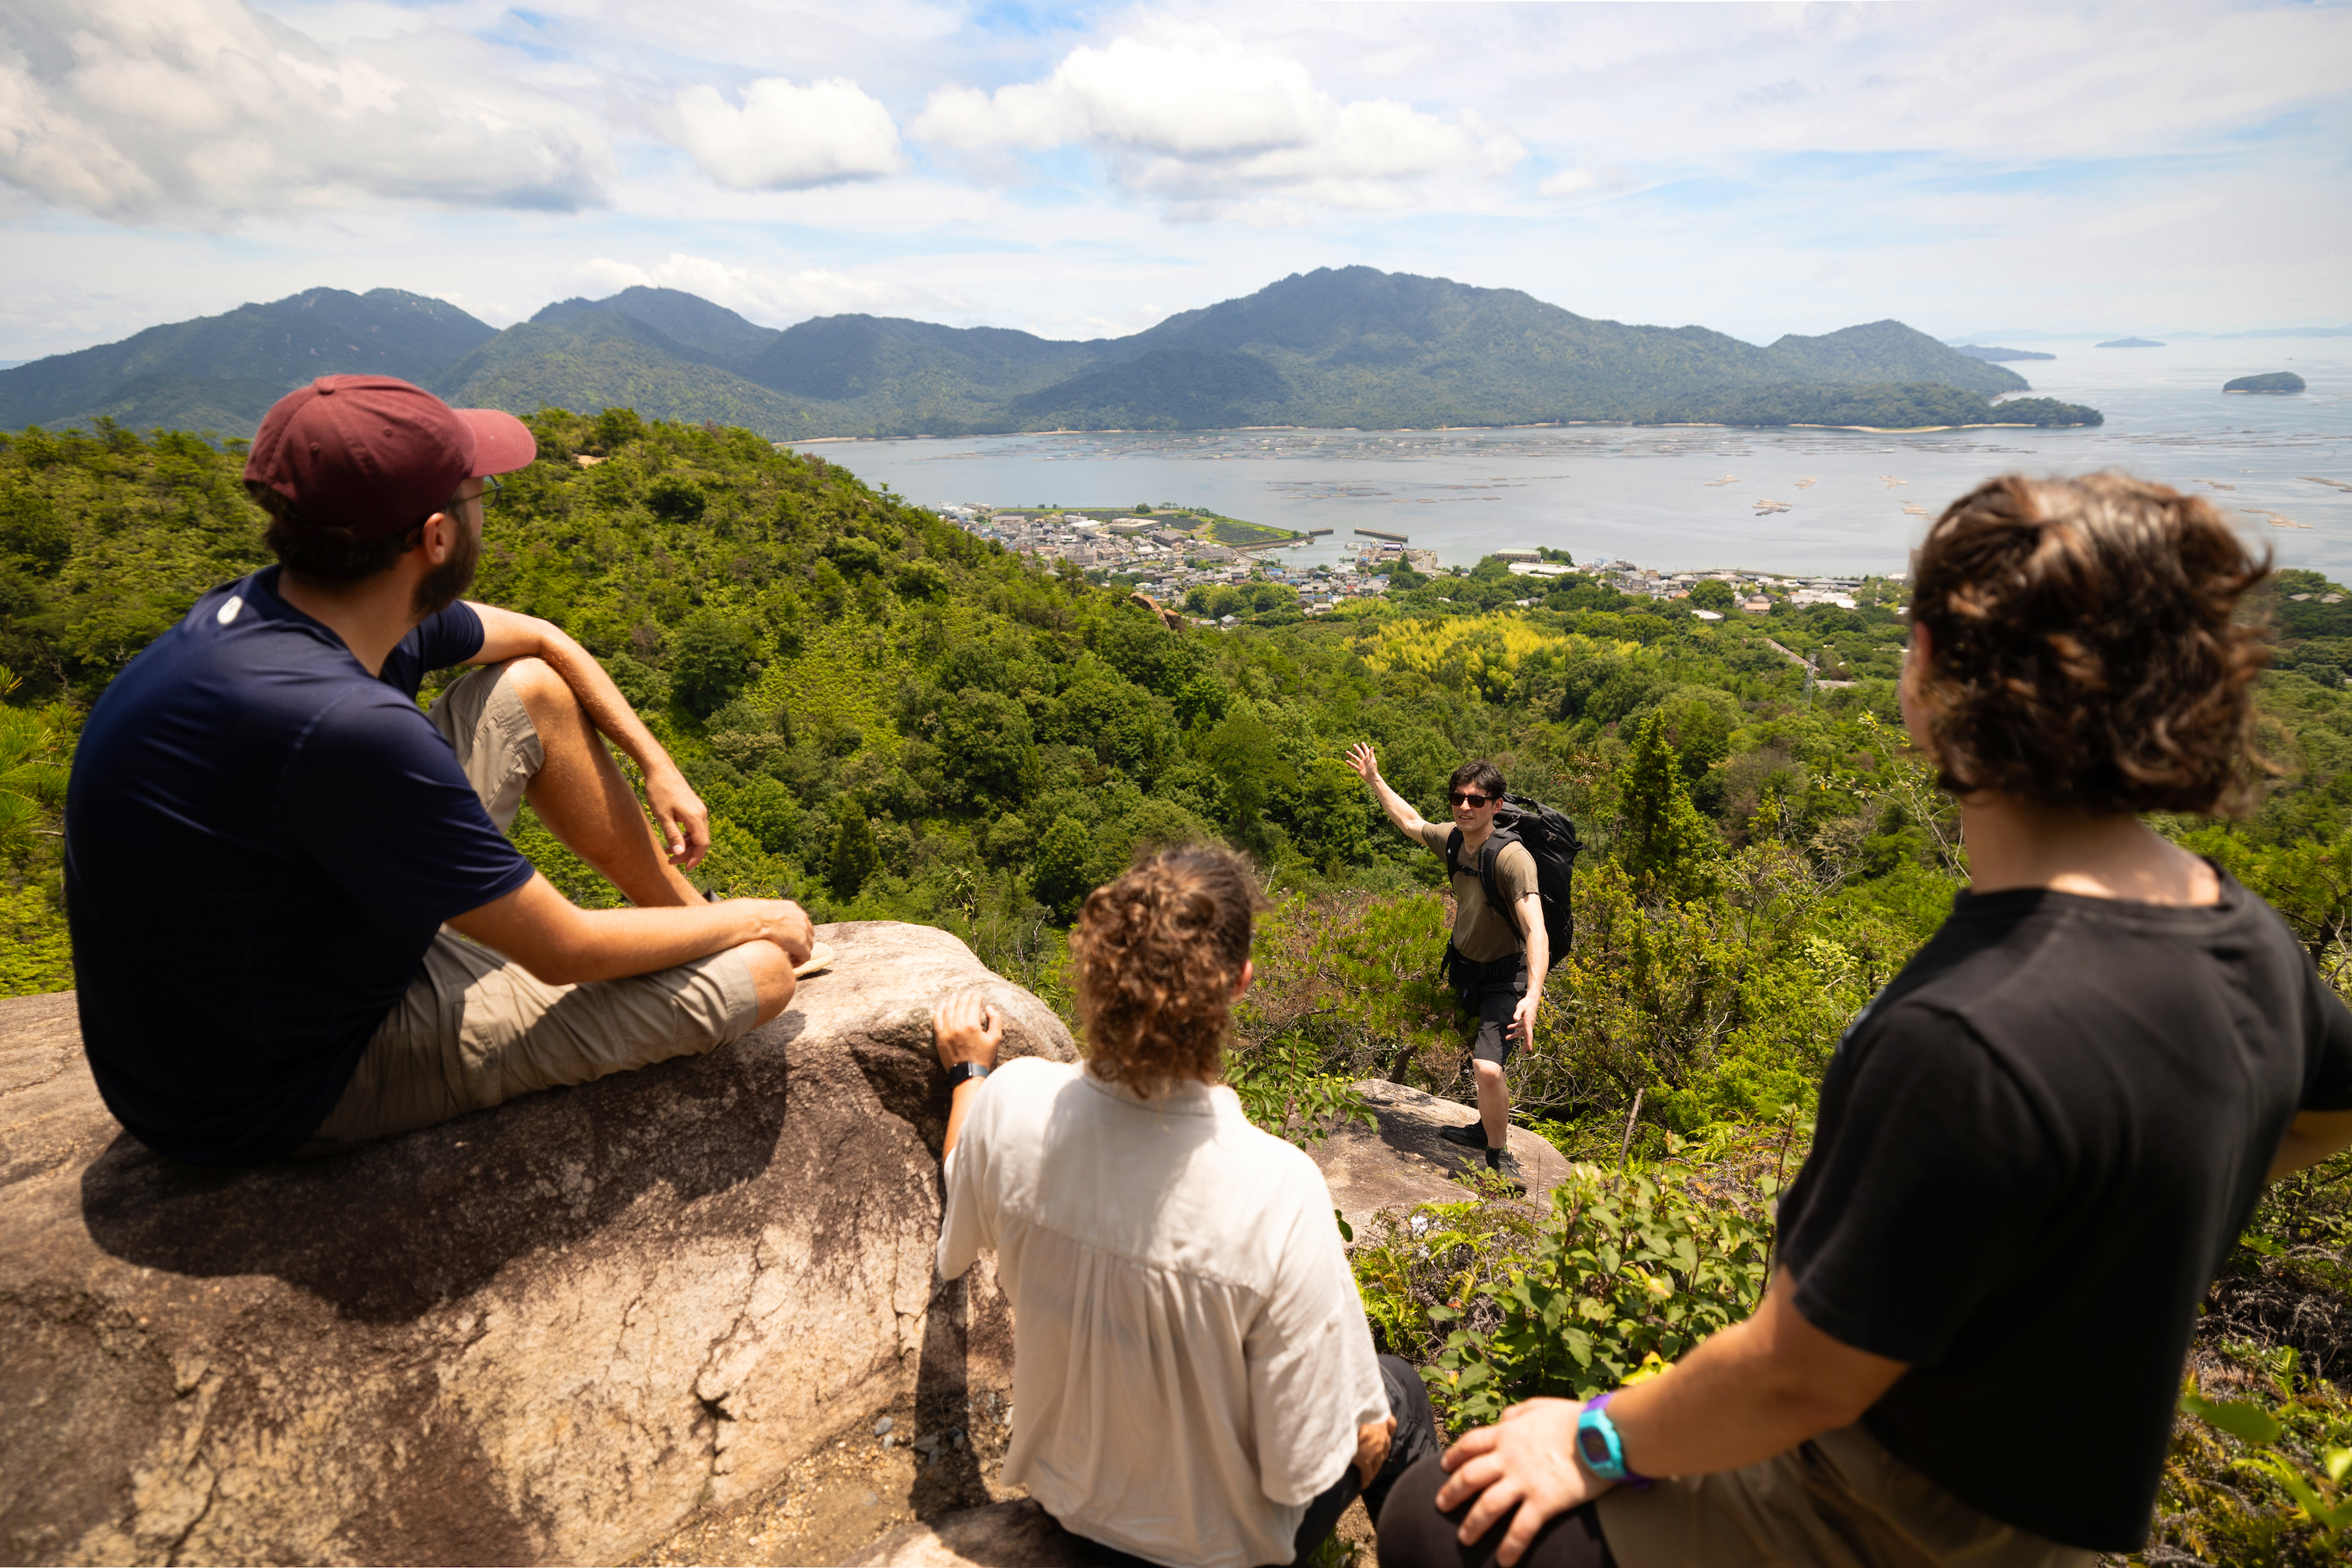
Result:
pixel 1483 934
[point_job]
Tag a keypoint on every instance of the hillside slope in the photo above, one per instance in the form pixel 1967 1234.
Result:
pixel 1335 347
pixel 156 376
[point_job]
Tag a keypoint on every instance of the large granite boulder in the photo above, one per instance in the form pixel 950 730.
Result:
pixel 545 1332
pixel 1404 1162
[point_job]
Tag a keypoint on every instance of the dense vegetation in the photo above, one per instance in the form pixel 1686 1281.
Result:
pixel 222 372
pixel 1883 407
pixel 1351 347
pixel 2273 381
pixel 891 719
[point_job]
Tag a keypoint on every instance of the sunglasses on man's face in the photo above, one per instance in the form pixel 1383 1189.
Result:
pixel 1472 801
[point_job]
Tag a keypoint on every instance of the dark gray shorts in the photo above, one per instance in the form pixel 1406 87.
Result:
pixel 1493 1042
pixel 1490 992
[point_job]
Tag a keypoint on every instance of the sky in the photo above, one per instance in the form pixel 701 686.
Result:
pixel 1087 171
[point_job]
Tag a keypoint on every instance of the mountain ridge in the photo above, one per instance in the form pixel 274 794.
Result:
pixel 1334 347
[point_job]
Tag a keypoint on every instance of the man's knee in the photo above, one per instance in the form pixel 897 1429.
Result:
pixel 542 692
pixel 771 974
pixel 1489 1072
pixel 1411 1530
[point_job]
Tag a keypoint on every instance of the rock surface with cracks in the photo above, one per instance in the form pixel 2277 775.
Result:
pixel 550 1331
pixel 1404 1162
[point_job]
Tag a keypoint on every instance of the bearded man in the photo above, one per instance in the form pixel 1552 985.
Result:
pixel 297 922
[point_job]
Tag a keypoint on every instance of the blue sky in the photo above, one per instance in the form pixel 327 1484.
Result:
pixel 1086 171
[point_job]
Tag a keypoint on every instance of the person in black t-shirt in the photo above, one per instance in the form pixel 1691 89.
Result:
pixel 265 834
pixel 2035 1147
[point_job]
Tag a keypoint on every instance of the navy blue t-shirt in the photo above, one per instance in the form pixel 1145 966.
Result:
pixel 261 839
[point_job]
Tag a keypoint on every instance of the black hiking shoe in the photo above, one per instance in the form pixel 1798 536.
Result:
pixel 1500 1162
pixel 1473 1136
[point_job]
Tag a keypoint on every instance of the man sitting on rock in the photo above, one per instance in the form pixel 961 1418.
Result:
pixel 265 834
pixel 1193 1379
pixel 1499 953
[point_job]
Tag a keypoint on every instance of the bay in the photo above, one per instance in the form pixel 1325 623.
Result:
pixel 1684 498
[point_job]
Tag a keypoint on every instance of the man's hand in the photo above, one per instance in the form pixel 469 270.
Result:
pixel 1372 1447
pixel 1524 1469
pixel 685 820
pixel 1522 1031
pixel 1367 766
pixel 967 1029
pixel 786 923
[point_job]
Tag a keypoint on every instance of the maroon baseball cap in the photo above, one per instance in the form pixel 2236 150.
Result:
pixel 376 455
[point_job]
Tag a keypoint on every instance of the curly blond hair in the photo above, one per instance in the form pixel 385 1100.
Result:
pixel 1158 954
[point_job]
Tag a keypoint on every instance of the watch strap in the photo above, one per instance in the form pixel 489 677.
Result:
pixel 964 1072
pixel 1600 1448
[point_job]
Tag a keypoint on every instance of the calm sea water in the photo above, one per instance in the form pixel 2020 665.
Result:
pixel 1685 498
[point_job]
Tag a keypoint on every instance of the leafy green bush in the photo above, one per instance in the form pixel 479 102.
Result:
pixel 1625 1272
pixel 1628 1272
pixel 2260 1462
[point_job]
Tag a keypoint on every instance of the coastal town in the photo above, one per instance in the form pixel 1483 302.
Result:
pixel 1167 555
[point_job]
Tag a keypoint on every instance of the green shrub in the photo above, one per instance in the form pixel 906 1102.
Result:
pixel 1501 1301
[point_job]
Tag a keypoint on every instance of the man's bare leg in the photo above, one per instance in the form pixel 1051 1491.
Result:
pixel 581 795
pixel 1494 1102
pixel 772 973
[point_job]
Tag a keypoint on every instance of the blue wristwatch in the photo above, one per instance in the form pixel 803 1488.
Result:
pixel 1597 1444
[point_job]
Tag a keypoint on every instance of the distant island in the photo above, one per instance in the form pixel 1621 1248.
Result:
pixel 1336 348
pixel 2132 343
pixel 1912 405
pixel 2275 381
pixel 1999 356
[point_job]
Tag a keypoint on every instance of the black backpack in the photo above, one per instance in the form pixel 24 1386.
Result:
pixel 1551 838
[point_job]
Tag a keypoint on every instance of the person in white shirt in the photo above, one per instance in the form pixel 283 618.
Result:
pixel 1193 1378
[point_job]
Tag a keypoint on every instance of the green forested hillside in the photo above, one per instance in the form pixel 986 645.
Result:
pixel 891 719
pixel 1345 347
pixel 222 372
pixel 1886 407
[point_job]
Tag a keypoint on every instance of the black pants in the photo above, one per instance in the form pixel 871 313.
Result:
pixel 1414 1534
pixel 1414 1440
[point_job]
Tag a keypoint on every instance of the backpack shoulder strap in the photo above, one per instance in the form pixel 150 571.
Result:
pixel 1453 854
pixel 1489 852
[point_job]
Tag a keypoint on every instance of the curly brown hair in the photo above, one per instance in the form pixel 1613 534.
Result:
pixel 1158 954
pixel 2087 651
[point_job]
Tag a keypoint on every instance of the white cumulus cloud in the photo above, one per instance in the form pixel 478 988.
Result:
pixel 1218 130
pixel 788 137
pixel 154 111
pixel 775 299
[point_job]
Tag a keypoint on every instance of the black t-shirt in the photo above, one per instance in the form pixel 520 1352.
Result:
pixel 2035 1150
pixel 261 839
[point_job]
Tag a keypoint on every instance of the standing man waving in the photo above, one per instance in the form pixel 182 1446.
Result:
pixel 1499 952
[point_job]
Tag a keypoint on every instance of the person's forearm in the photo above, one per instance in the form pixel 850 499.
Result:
pixel 1757 1389
pixel 958 1110
pixel 2315 1135
pixel 1408 821
pixel 600 699
pixel 1539 955
pixel 609 944
pixel 563 944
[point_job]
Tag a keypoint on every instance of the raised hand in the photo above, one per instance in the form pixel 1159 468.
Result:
pixel 1361 758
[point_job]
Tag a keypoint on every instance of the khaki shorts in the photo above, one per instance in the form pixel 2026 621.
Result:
pixel 1840 1501
pixel 474 1029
